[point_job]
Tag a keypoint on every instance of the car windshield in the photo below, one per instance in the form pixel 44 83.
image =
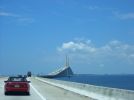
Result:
pixel 17 79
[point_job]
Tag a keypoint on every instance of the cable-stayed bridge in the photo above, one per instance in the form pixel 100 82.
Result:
pixel 63 71
pixel 43 88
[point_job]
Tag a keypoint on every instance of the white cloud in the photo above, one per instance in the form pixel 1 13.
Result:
pixel 18 18
pixel 81 46
pixel 7 14
pixel 112 53
pixel 4 14
pixel 132 55
pixel 93 7
pixel 114 42
pixel 101 65
pixel 26 20
pixel 125 15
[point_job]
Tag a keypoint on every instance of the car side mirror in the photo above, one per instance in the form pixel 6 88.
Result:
pixel 29 81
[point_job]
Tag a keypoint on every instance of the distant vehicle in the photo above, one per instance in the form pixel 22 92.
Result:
pixel 29 74
pixel 25 76
pixel 19 75
pixel 17 85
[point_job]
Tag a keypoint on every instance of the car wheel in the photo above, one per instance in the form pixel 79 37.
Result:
pixel 6 93
pixel 27 93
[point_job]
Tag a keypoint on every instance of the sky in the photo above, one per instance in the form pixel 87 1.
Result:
pixel 97 35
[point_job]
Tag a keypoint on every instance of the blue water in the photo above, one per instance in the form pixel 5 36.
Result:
pixel 114 81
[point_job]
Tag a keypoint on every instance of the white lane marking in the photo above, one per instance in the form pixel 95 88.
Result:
pixel 38 92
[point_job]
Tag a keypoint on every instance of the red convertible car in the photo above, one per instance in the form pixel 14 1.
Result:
pixel 17 85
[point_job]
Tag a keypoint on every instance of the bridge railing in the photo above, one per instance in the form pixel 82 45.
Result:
pixel 96 92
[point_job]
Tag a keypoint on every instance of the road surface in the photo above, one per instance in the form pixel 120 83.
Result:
pixel 42 91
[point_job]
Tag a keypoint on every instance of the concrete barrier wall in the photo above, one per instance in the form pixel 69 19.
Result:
pixel 96 92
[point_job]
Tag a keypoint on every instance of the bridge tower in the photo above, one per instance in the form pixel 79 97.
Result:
pixel 67 62
pixel 62 72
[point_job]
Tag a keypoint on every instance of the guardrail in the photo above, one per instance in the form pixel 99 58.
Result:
pixel 92 91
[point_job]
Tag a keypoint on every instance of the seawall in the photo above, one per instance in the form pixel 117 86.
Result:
pixel 92 91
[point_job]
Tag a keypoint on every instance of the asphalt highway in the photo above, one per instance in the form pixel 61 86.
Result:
pixel 41 91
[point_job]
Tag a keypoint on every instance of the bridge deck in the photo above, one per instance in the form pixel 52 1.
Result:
pixel 42 91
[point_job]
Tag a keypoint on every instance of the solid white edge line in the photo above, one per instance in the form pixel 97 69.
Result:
pixel 37 92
